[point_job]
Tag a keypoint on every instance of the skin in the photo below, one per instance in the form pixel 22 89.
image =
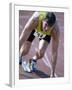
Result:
pixel 31 24
pixel 55 42
pixel 25 45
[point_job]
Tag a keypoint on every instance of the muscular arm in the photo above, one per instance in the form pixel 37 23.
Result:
pixel 31 24
pixel 55 42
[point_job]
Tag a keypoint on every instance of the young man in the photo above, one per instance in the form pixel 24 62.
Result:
pixel 44 26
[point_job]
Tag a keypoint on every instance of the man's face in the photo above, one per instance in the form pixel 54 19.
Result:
pixel 45 25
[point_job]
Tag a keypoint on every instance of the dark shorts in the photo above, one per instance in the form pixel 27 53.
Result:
pixel 31 37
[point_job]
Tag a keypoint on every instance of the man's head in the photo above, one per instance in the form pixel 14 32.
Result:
pixel 49 20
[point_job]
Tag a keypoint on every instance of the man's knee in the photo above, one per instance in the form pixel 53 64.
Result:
pixel 23 51
pixel 25 48
pixel 40 54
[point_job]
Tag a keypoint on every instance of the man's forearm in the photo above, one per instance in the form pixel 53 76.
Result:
pixel 54 61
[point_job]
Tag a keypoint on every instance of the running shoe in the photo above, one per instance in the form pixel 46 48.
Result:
pixel 30 66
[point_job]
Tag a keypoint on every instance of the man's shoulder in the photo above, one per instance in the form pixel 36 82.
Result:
pixel 36 14
pixel 35 17
pixel 55 31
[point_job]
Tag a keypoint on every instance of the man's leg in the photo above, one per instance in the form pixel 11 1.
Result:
pixel 42 48
pixel 23 37
pixel 39 54
pixel 31 65
pixel 24 50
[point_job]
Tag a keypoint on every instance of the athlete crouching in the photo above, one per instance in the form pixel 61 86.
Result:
pixel 44 26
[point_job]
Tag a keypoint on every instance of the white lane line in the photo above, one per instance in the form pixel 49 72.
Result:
pixel 47 62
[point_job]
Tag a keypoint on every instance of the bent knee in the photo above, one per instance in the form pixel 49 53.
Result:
pixel 40 54
pixel 24 51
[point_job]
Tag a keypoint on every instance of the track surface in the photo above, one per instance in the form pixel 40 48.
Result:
pixel 43 64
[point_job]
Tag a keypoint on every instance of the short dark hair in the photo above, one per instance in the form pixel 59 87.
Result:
pixel 51 18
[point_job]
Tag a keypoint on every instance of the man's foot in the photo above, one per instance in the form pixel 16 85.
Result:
pixel 30 66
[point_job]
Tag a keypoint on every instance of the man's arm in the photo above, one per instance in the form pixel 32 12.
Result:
pixel 55 43
pixel 30 25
